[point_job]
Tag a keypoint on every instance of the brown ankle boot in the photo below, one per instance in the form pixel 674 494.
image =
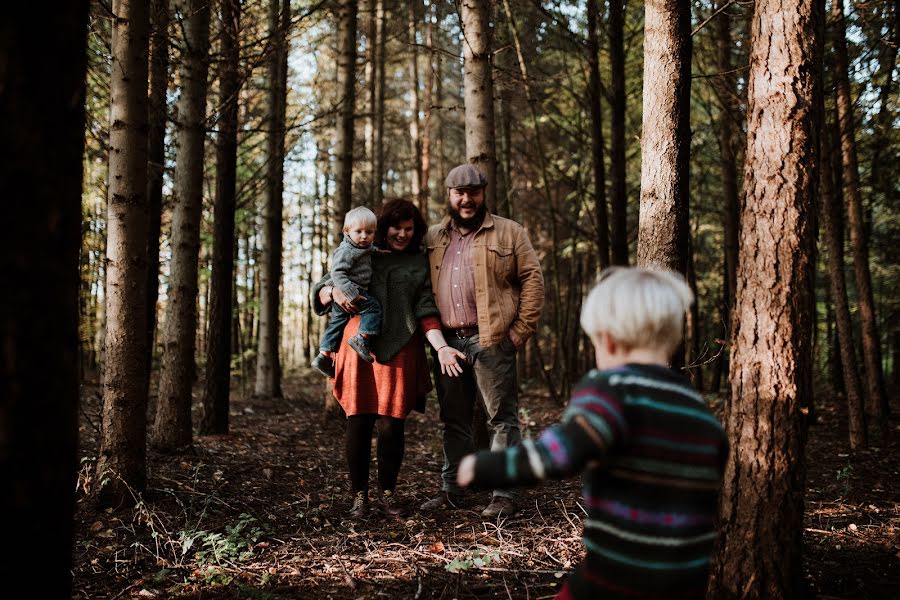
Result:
pixel 360 506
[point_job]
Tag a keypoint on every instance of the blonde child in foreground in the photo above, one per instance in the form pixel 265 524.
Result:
pixel 650 452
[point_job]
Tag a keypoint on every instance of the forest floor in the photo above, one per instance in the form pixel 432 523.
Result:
pixel 260 514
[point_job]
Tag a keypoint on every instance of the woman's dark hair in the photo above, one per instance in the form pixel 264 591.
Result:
pixel 395 211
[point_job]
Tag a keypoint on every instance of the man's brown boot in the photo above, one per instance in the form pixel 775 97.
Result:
pixel 444 500
pixel 500 506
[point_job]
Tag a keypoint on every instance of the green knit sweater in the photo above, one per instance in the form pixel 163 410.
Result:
pixel 402 284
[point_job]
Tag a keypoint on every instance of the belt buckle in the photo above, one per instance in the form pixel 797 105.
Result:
pixel 459 334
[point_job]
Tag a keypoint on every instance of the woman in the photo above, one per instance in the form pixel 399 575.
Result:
pixel 388 389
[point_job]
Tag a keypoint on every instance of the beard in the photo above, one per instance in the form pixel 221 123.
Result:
pixel 473 222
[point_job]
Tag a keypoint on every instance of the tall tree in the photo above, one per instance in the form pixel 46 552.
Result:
pixel 42 124
pixel 343 144
pixel 371 33
pixel 122 460
pixel 172 421
pixel 427 102
pixel 833 220
pixel 859 243
pixel 729 124
pixel 595 98
pixel 415 139
pixel 618 197
pixel 156 156
pixel 218 342
pixel 666 136
pixel 479 91
pixel 378 158
pixel 761 507
pixel 268 361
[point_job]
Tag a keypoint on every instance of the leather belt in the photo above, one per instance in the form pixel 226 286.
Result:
pixel 462 332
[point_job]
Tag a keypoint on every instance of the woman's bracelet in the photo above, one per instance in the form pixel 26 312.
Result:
pixel 442 347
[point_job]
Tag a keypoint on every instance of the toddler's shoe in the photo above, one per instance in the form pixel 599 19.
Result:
pixel 361 345
pixel 324 365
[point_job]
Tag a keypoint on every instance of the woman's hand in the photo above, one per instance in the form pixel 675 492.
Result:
pixel 465 473
pixel 448 357
pixel 326 295
pixel 343 301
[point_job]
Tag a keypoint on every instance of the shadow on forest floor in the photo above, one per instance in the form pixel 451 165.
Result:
pixel 259 514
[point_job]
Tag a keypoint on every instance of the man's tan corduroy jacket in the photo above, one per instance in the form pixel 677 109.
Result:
pixel 509 284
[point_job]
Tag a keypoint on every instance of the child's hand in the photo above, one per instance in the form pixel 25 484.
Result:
pixel 466 471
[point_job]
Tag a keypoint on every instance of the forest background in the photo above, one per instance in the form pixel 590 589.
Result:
pixel 224 141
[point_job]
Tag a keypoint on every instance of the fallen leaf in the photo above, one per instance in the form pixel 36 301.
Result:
pixel 436 547
pixel 97 526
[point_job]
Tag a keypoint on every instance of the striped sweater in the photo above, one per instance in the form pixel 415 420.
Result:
pixel 652 456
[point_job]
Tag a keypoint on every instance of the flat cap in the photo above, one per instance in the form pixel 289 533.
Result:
pixel 465 176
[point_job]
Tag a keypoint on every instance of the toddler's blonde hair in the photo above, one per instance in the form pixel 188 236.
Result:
pixel 638 308
pixel 359 216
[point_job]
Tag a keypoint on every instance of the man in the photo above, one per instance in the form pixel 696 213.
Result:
pixel 489 290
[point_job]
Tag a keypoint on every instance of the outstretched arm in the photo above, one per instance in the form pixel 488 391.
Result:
pixel 592 424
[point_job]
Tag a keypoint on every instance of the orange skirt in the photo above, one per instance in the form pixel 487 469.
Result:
pixel 388 390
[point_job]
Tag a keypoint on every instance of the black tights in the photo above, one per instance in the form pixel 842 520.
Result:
pixel 390 449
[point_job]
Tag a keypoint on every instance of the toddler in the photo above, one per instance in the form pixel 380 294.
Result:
pixel 351 272
pixel 650 452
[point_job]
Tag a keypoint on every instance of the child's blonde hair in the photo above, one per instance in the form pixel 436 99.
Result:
pixel 638 308
pixel 359 216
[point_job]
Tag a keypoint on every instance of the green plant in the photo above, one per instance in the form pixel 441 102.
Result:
pixel 477 559
pixel 235 544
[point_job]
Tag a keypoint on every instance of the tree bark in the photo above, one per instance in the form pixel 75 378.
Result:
pixel 216 397
pixel 122 460
pixel 371 33
pixel 343 145
pixel 761 507
pixel 172 421
pixel 415 140
pixel 729 125
pixel 42 124
pixel 156 158
pixel 427 101
pixel 479 92
pixel 666 137
pixel 379 106
pixel 859 244
pixel 595 98
pixel 832 212
pixel 268 361
pixel 618 194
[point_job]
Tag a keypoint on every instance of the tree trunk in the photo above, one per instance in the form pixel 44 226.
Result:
pixel 122 457
pixel 729 124
pixel 343 145
pixel 666 137
pixel 156 158
pixel 371 33
pixel 877 400
pixel 415 140
pixel 479 92
pixel 595 98
pixel 618 194
pixel 833 221
pixel 379 106
pixel 268 362
pixel 216 399
pixel 172 422
pixel 42 125
pixel 761 508
pixel 427 101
